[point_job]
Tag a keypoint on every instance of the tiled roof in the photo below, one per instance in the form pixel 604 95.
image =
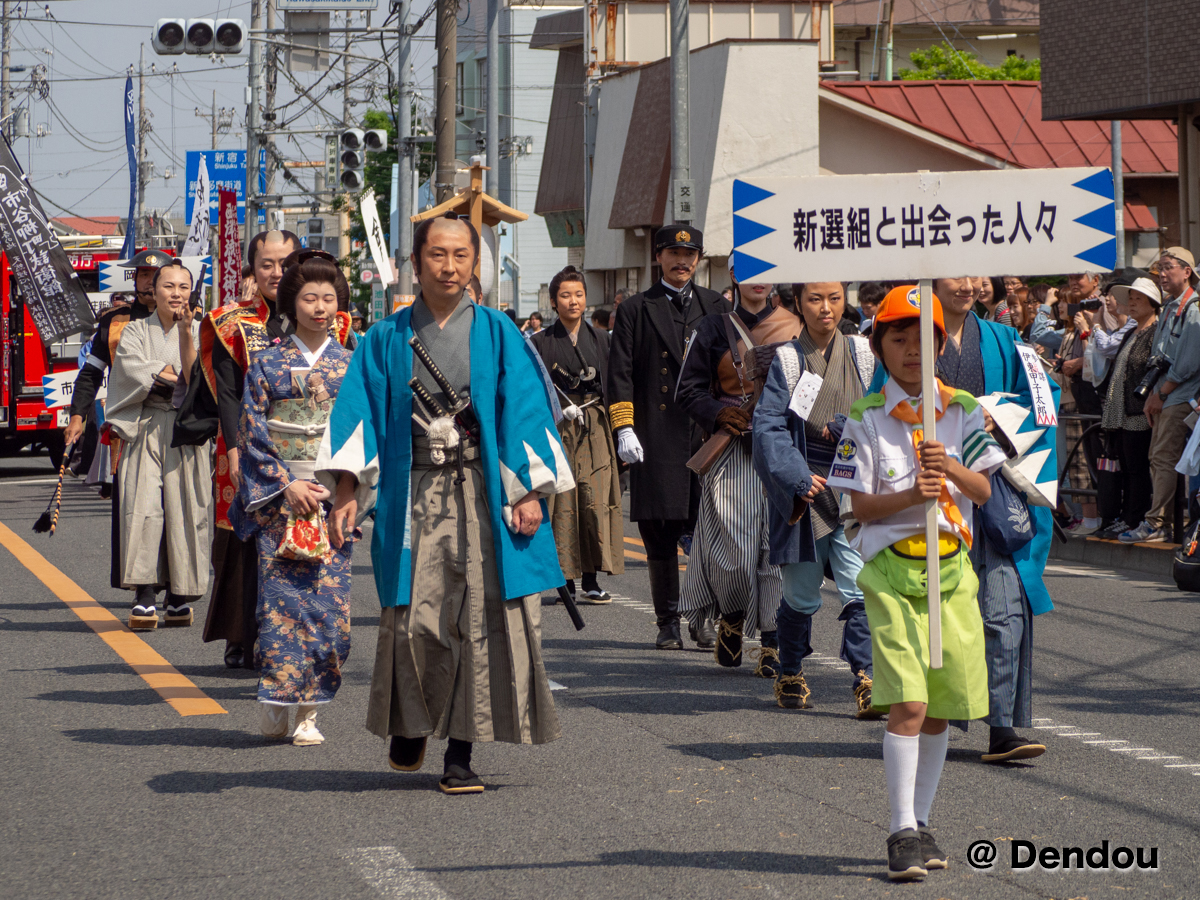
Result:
pixel 105 225
pixel 1004 119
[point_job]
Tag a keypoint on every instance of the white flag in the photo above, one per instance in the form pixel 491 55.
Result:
pixel 374 229
pixel 197 239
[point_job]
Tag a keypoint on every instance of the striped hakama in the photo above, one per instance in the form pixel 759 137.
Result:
pixel 729 566
pixel 459 661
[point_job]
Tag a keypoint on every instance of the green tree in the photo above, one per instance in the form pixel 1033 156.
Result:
pixel 943 62
pixel 377 175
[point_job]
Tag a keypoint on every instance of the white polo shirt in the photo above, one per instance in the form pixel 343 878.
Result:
pixel 876 456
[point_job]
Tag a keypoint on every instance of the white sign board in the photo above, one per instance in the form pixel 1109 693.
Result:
pixel 116 277
pixel 924 225
pixel 375 238
pixel 57 389
pixel 295 5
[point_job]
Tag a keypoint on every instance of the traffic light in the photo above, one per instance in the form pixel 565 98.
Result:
pixel 353 159
pixel 315 239
pixel 168 36
pixel 375 140
pixel 199 36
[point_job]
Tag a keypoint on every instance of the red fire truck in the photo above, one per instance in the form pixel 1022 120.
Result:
pixel 24 359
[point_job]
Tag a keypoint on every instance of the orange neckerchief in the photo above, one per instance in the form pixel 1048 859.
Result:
pixel 905 413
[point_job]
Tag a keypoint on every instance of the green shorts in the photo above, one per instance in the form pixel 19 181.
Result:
pixel 894 590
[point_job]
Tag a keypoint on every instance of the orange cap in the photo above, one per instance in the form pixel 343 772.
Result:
pixel 904 302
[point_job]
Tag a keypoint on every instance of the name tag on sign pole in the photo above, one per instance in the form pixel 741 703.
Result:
pixel 805 394
pixel 1039 387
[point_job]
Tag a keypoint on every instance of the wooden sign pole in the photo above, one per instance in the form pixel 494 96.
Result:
pixel 929 410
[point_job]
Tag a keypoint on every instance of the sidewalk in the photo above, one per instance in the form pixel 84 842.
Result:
pixel 1154 559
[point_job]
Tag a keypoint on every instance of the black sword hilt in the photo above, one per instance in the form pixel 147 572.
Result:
pixel 443 382
pixel 572 609
pixel 427 398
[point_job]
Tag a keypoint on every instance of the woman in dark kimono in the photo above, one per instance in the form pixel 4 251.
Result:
pixel 588 526
pixel 304 584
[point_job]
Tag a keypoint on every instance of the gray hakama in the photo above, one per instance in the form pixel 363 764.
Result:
pixel 165 491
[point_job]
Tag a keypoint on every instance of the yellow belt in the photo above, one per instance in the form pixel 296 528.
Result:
pixel 915 546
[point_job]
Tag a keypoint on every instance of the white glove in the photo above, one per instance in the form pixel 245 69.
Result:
pixel 629 448
pixel 572 412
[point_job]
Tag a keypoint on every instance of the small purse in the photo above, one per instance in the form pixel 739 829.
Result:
pixel 305 538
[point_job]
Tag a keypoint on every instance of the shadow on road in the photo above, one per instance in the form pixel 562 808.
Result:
pixel 295 780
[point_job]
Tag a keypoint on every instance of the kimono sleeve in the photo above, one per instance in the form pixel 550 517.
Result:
pixel 779 462
pixel 980 451
pixel 853 466
pixel 530 452
pixel 264 475
pixel 358 423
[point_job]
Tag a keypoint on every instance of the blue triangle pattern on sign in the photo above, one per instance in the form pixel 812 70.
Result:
pixel 746 194
pixel 746 230
pixel 1102 219
pixel 1103 255
pixel 1100 183
pixel 747 267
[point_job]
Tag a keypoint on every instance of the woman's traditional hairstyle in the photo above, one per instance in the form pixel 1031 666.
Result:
pixel 173 263
pixel 310 267
pixel 570 273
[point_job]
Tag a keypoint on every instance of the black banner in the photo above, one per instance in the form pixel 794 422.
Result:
pixel 49 286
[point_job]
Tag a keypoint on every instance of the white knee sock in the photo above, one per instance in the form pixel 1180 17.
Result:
pixel 900 763
pixel 931 755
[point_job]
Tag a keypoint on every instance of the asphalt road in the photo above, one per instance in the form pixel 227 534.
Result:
pixel 673 778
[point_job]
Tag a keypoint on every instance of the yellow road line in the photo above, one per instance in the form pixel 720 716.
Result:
pixel 175 688
pixel 633 540
pixel 630 554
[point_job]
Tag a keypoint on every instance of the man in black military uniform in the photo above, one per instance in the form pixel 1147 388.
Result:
pixel 99 361
pixel 654 435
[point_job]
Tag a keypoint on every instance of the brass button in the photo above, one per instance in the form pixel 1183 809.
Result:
pixel 664 371
pixel 662 406
pixel 663 389
pixel 664 354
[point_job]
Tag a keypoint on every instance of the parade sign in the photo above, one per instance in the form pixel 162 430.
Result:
pixel 375 238
pixel 197 239
pixel 57 389
pixel 229 269
pixel 924 225
pixel 52 291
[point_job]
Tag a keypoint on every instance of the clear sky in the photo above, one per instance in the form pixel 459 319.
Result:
pixel 80 164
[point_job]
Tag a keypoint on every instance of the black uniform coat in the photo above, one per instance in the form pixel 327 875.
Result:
pixel 645 357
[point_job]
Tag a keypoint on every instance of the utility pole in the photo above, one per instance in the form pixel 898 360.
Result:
pixel 143 127
pixel 344 214
pixel 682 194
pixel 889 49
pixel 1118 170
pixel 492 147
pixel 447 97
pixel 253 121
pixel 272 77
pixel 404 150
pixel 5 62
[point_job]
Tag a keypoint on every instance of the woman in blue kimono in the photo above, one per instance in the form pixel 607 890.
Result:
pixel 304 584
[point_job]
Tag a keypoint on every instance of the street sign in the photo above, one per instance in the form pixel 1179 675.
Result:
pixel 57 389
pixel 226 172
pixel 924 225
pixel 378 301
pixel 296 5
pixel 366 275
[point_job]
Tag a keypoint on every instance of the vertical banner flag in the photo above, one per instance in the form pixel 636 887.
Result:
pixel 52 292
pixel 128 249
pixel 375 238
pixel 229 269
pixel 197 239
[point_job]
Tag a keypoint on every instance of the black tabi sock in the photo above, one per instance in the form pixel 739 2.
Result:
pixel 770 639
pixel 570 590
pixel 589 582
pixel 458 753
pixel 1001 734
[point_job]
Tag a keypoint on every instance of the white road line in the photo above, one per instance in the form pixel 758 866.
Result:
pixel 35 481
pixel 1106 742
pixel 1148 754
pixel 555 686
pixel 391 875
pixel 1182 765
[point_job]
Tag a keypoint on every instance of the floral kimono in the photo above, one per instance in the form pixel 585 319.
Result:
pixel 304 584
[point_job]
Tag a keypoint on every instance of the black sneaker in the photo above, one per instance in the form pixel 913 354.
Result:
pixel 905 862
pixel 458 780
pixel 930 851
pixel 406 754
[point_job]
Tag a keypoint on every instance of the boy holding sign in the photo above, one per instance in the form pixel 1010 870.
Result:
pixel 890 471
